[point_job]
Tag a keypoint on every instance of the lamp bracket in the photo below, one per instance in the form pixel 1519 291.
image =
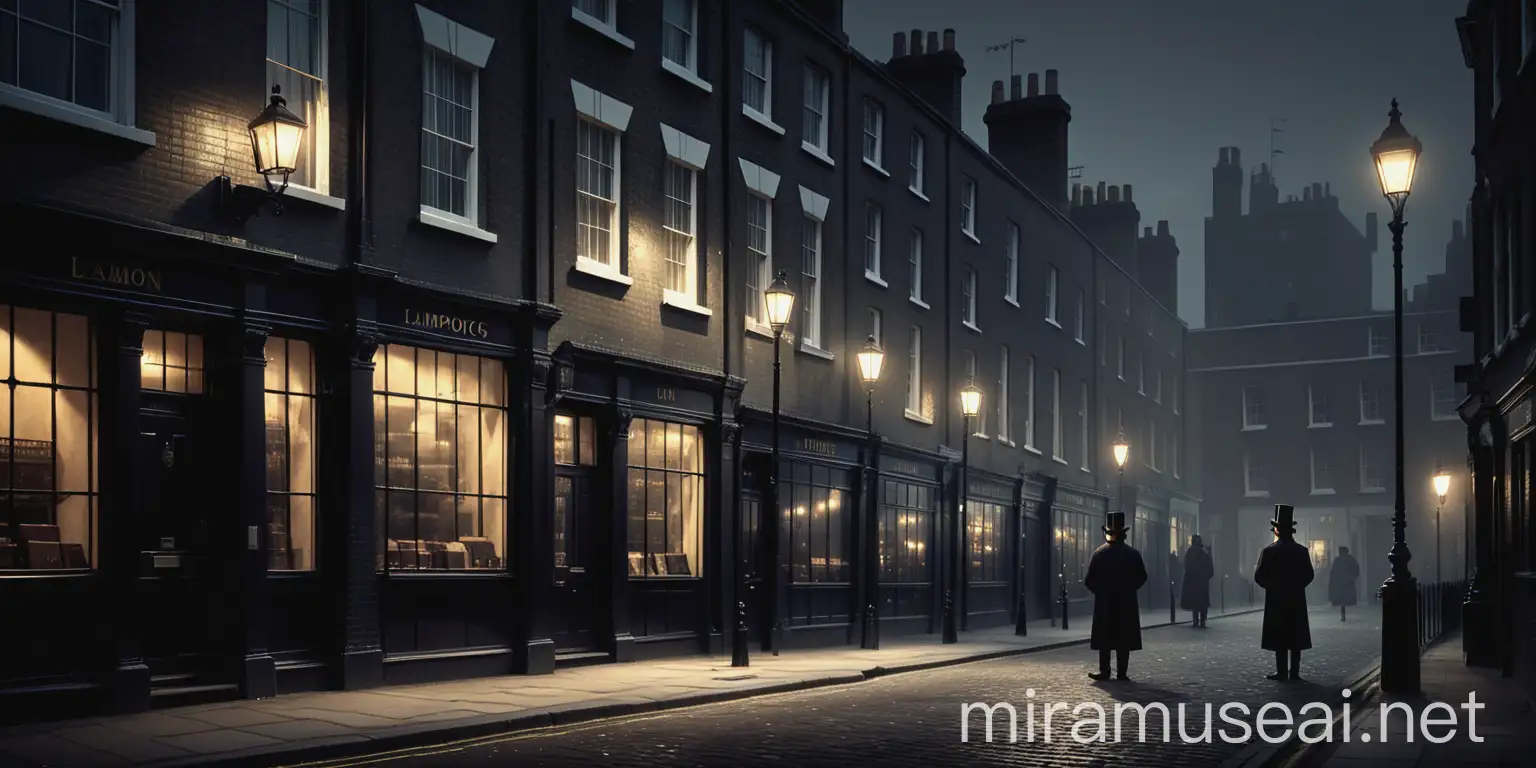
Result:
pixel 240 202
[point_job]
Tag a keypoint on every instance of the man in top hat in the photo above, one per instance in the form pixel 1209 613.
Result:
pixel 1115 572
pixel 1284 571
pixel 1196 588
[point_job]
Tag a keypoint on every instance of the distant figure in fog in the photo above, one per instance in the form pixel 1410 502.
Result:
pixel 1115 572
pixel 1284 571
pixel 1198 570
pixel 1341 581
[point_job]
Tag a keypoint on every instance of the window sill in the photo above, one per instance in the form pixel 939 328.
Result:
pixel 1080 342
pixel 1013 301
pixel 1060 460
pixel 814 151
pixel 981 436
pixel 1007 442
pixel 761 119
pixel 1254 427
pixel 1370 422
pixel 601 28
pixel 912 415
pixel 814 351
pixel 1323 492
pixel 919 302
pixel 971 235
pixel 683 74
pixel 874 166
pixel 308 195
pixel 42 106
pixel 1442 417
pixel 1032 449
pixel 670 299
pixel 918 193
pixel 1320 425
pixel 1089 471
pixel 759 329
pixel 970 326
pixel 1373 490
pixel 1256 494
pixel 602 271
pixel 876 279
pixel 432 219
pixel 1052 321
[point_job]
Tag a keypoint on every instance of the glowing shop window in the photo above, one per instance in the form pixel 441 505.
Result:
pixel 290 411
pixel 172 362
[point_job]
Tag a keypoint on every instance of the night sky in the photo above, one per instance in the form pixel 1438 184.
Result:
pixel 1157 87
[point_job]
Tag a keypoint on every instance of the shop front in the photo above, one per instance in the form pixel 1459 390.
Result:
pixel 1037 575
pixel 995 549
pixel 1151 535
pixel 1079 516
pixel 818 553
pixel 642 474
pixel 910 545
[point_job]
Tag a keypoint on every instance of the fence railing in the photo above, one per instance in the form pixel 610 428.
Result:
pixel 1439 609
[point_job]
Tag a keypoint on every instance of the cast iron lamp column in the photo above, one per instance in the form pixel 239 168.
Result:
pixel 970 405
pixel 1442 481
pixel 1122 450
pixel 780 303
pixel 1396 154
pixel 871 360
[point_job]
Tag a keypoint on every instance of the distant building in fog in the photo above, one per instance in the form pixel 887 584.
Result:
pixel 1292 386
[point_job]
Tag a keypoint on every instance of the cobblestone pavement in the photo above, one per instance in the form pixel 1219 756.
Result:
pixel 913 719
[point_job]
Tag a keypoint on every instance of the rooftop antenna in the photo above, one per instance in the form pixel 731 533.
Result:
pixel 1009 46
pixel 1074 172
pixel 1273 151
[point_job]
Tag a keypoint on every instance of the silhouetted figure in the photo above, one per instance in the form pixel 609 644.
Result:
pixel 1198 570
pixel 1284 571
pixel 1341 581
pixel 1115 572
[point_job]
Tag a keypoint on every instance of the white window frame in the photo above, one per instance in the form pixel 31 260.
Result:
pixel 1057 435
pixel 762 185
pixel 688 298
pixel 1450 413
pixel 118 120
pixel 1029 403
pixel 1373 336
pixel 1120 357
pixel 815 208
pixel 473 50
pixel 1250 469
pixel 1082 424
pixel 606 25
pixel 876 329
pixel 818 144
pixel 690 68
pixel 1082 312
pixel 1152 445
pixel 1323 468
pixel 874 234
pixel 968 208
pixel 1375 399
pixel 318 135
pixel 1173 381
pixel 1051 278
pixel 972 373
pixel 1011 265
pixel 914 407
pixel 917 162
pixel 968 299
pixel 1255 411
pixel 763 115
pixel 915 268
pixel 691 155
pixel 1429 340
pixel 1366 486
pixel 611 115
pixel 1004 415
pixel 1141 372
pixel 1157 386
pixel 874 133
pixel 1313 400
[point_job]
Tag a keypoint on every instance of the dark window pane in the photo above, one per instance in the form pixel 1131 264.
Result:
pixel 45 61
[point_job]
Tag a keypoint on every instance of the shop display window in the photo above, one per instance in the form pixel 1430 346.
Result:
pixel 290 418
pixel 48 448
pixel 1078 534
pixel 986 524
pixel 906 520
pixel 440 460
pixel 815 514
pixel 666 500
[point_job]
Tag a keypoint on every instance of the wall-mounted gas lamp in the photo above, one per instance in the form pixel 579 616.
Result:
pixel 276 137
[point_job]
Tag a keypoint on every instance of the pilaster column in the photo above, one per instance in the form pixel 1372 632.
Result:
pixel 120 350
pixel 351 528
pixel 613 457
pixel 723 578
pixel 533 520
pixel 246 544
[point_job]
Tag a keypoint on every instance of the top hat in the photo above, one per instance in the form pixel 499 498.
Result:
pixel 1285 518
pixel 1195 539
pixel 1116 523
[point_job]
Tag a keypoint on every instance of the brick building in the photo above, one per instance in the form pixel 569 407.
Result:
pixel 493 392
pixel 1498 43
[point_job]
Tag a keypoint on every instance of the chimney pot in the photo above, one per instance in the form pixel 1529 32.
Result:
pixel 898 45
pixel 1088 197
pixel 949 39
pixel 1015 87
pixel 1306 194
pixel 917 42
pixel 1224 157
pixel 1146 231
pixel 997 91
pixel 1327 189
pixel 1236 156
pixel 1034 84
pixel 1050 81
pixel 1077 195
pixel 1126 190
pixel 1162 228
pixel 1456 233
pixel 1102 192
pixel 1114 195
pixel 933 41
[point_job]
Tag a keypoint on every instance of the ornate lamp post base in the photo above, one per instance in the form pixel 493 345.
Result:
pixel 1399 633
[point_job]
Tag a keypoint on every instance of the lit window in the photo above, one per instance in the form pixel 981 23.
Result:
pixel 816 507
pixel 597 195
pixel 1004 415
pixel 969 298
pixel 873 228
pixel 874 132
pixel 666 500
pixel 906 523
pixel 440 428
pixel 291 455
pixel 575 446
pixel 1253 408
pixel 1011 265
pixel 679 25
pixel 915 164
pixel 48 422
pixel 915 371
pixel 810 270
pixel 757 66
pixel 986 533
pixel 968 207
pixel 682 251
pixel 172 362
pixel 296 47
pixel 1050 296
pixel 915 265
pixel 760 246
pixel 817 109
pixel 70 56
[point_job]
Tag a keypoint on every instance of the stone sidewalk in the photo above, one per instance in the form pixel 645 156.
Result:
pixel 1506 724
pixel 309 726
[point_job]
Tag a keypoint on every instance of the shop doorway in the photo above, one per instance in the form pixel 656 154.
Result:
pixel 578 603
pixel 181 585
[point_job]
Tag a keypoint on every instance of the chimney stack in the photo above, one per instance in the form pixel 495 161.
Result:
pixel 1028 135
pixel 1114 194
pixel 1227 185
pixel 932 72
pixel 1125 189
pixel 1103 192
pixel 1077 195
pixel 917 42
pixel 997 92
pixel 933 41
pixel 1456 231
pixel 1050 82
pixel 1146 231
pixel 1157 265
pixel 898 45
pixel 1162 228
pixel 949 39
pixel 1087 196
pixel 1016 87
pixel 1306 194
pixel 1034 84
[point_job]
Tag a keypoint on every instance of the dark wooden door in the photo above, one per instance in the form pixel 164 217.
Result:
pixel 576 610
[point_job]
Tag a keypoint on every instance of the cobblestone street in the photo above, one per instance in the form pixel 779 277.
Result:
pixel 913 719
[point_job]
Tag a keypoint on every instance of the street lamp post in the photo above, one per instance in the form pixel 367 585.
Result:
pixel 970 405
pixel 1396 154
pixel 1442 482
pixel 780 304
pixel 871 361
pixel 1122 449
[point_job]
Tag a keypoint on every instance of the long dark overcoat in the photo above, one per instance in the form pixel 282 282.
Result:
pixel 1195 594
pixel 1341 580
pixel 1284 571
pixel 1115 572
